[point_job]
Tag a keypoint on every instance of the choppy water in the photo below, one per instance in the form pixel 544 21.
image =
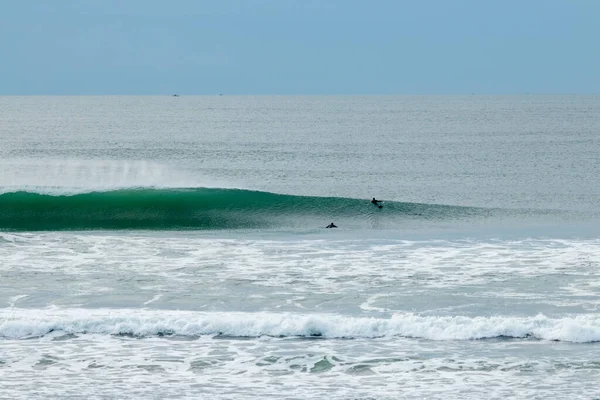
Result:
pixel 174 247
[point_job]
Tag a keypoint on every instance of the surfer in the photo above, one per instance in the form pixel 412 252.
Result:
pixel 331 225
pixel 376 202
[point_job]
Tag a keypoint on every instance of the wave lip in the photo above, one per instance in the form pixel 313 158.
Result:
pixel 22 323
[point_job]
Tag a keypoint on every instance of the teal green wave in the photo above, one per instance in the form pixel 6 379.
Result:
pixel 197 208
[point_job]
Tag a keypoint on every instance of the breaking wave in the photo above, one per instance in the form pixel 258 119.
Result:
pixel 197 208
pixel 23 323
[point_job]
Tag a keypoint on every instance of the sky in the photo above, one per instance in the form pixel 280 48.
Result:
pixel 247 47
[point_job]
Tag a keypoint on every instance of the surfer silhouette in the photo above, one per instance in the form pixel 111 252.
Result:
pixel 376 202
pixel 331 225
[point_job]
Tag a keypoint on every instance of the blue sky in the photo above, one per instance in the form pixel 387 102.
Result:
pixel 299 47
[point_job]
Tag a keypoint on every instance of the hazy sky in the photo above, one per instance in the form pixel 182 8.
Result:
pixel 299 46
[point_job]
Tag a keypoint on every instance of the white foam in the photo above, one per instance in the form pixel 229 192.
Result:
pixel 373 276
pixel 92 366
pixel 152 300
pixel 23 323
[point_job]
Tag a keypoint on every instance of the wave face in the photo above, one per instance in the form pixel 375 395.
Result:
pixel 195 208
pixel 21 324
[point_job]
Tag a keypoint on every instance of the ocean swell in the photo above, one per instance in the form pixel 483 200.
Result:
pixel 196 208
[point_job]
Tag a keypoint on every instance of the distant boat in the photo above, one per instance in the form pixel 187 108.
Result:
pixel 175 95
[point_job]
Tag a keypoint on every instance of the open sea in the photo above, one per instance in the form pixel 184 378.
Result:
pixel 175 247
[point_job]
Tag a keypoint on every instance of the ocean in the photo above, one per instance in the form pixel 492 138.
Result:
pixel 175 247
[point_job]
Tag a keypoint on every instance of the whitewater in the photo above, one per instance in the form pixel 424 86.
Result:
pixel 160 247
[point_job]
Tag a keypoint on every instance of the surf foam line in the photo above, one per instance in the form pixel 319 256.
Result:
pixel 194 208
pixel 18 323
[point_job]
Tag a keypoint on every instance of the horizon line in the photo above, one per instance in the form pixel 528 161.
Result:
pixel 179 94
